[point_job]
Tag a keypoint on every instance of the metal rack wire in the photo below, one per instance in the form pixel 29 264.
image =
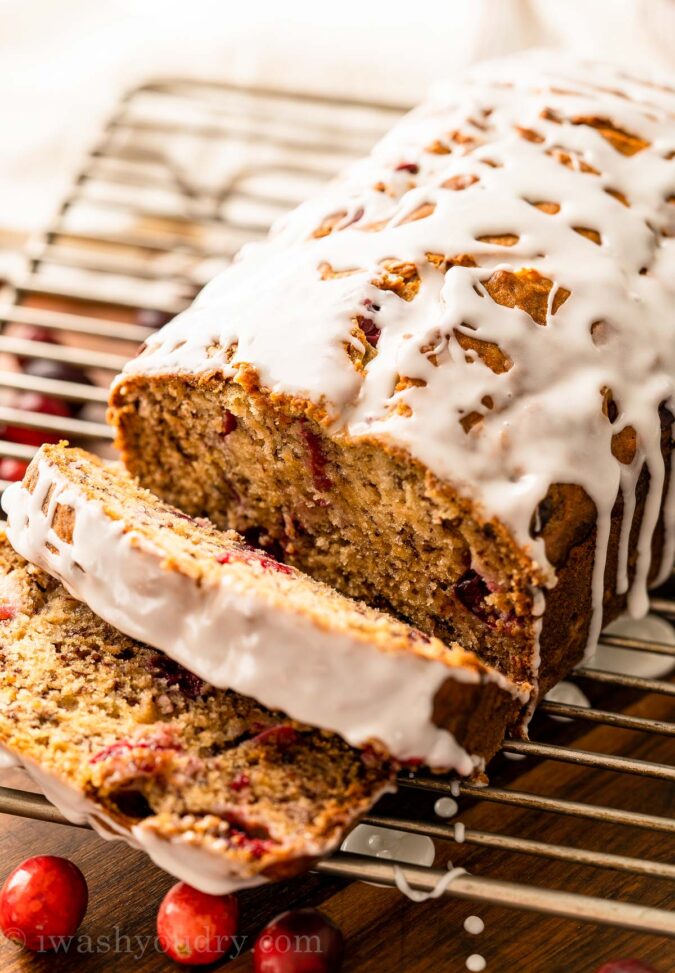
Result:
pixel 182 175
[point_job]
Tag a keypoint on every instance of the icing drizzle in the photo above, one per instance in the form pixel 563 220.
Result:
pixel 233 638
pixel 382 297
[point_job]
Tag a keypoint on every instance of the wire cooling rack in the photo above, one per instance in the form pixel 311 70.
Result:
pixel 182 175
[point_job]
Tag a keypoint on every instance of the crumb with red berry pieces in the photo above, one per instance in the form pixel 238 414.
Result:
pixel 217 789
pixel 240 619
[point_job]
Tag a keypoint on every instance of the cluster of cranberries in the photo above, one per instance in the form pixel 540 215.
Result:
pixel 49 405
pixel 37 402
pixel 44 900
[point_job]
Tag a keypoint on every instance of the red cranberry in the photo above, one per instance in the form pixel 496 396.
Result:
pixel 317 460
pixel 229 423
pixel 44 404
pixel 162 741
pixel 410 167
pixel 370 330
pixel 626 966
pixel 175 675
pixel 7 613
pixel 270 564
pixel 247 835
pixel 12 469
pixel 368 326
pixel 240 782
pixel 280 736
pixel 256 847
pixel 33 332
pixel 60 372
pixel 472 590
pixel 303 941
pixel 196 928
pixel 251 556
pixel 147 318
pixel 40 404
pixel 43 902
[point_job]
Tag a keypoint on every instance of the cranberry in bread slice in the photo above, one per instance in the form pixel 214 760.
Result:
pixel 239 619
pixel 218 790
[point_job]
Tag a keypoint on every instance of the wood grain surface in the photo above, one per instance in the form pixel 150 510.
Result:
pixel 385 932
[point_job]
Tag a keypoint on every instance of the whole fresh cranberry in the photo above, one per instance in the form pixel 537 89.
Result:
pixel 196 928
pixel 148 318
pixel 626 966
pixel 302 941
pixel 42 902
pixel 44 404
pixel 58 371
pixel 40 404
pixel 12 469
pixel 33 332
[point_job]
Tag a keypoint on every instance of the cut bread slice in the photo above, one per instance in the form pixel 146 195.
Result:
pixel 239 619
pixel 218 790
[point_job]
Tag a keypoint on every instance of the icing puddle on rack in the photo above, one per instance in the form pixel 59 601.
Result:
pixel 390 844
pixel 648 665
pixel 404 848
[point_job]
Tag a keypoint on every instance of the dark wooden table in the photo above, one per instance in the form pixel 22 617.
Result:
pixel 385 932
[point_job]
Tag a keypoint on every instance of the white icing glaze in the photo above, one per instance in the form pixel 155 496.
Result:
pixel 233 637
pixel 414 895
pixel 7 760
pixel 390 843
pixel 567 692
pixel 648 665
pixel 445 807
pixel 546 425
pixel 474 925
pixel 475 963
pixel 199 867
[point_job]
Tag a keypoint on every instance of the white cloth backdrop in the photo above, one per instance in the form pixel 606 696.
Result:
pixel 64 62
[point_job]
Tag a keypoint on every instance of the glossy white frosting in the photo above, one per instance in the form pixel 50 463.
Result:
pixel 546 426
pixel 439 889
pixel 236 638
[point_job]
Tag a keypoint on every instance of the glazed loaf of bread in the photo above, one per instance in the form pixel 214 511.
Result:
pixel 444 385
pixel 240 620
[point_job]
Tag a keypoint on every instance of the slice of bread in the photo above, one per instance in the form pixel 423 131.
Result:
pixel 218 790
pixel 241 620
